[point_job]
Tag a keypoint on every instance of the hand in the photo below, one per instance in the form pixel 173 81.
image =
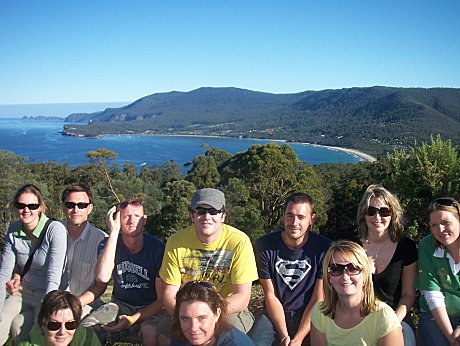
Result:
pixel 13 286
pixel 122 323
pixel 285 341
pixel 113 220
pixel 455 336
pixel 295 342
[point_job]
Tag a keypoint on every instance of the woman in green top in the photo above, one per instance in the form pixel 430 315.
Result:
pixel 58 323
pixel 438 270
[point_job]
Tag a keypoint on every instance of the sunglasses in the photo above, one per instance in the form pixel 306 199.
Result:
pixel 445 201
pixel 338 269
pixel 203 211
pixel 383 212
pixel 134 204
pixel 80 205
pixel 198 282
pixel 53 326
pixel 32 206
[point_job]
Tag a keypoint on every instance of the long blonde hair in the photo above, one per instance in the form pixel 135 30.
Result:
pixel 354 253
pixel 396 227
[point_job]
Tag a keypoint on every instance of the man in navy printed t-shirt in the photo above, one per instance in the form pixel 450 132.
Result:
pixel 289 263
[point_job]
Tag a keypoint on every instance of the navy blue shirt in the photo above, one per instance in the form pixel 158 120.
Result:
pixel 134 274
pixel 293 272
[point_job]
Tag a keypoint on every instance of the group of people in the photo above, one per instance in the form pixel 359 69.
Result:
pixel 196 288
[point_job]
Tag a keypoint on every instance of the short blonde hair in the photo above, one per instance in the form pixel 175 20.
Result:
pixel 395 229
pixel 354 253
pixel 453 209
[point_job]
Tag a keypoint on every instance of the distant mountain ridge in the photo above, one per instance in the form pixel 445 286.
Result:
pixel 372 118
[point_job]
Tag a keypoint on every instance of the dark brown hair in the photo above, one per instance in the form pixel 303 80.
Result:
pixel 59 300
pixel 300 197
pixel 77 187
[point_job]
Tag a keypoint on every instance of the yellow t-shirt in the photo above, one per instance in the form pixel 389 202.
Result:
pixel 367 332
pixel 227 261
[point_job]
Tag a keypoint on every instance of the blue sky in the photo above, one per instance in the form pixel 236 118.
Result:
pixel 101 51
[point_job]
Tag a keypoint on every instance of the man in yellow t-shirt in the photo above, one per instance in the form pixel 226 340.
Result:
pixel 214 252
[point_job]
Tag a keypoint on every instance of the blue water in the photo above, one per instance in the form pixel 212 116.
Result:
pixel 41 141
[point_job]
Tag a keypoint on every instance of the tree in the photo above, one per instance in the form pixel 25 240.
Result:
pixel 422 173
pixel 103 159
pixel 269 174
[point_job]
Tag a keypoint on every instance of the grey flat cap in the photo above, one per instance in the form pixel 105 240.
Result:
pixel 213 197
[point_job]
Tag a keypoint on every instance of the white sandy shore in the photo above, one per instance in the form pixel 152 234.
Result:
pixel 361 154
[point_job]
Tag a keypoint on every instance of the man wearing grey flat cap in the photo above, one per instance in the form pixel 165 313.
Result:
pixel 211 251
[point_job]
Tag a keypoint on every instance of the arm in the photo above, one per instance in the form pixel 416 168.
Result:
pixel 408 293
pixel 239 299
pixel 7 264
pixel 317 337
pixel 274 308
pixel 443 322
pixel 125 321
pixel 106 261
pixel 169 297
pixel 57 237
pixel 94 292
pixel 393 338
pixel 305 323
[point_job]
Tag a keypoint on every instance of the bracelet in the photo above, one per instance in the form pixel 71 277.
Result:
pixel 287 336
pixel 130 320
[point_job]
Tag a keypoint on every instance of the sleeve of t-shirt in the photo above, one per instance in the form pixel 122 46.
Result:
pixel 426 279
pixel 169 271
pixel 387 321
pixel 410 250
pixel 317 318
pixel 244 267
pixel 262 260
pixel 159 255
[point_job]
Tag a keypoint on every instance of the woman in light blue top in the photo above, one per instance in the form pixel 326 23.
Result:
pixel 17 312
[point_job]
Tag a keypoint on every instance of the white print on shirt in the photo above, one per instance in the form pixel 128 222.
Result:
pixel 132 273
pixel 292 272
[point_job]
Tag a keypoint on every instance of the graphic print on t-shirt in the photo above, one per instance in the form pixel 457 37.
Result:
pixel 131 275
pixel 292 272
pixel 211 266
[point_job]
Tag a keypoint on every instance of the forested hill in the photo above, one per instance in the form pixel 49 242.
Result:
pixel 372 119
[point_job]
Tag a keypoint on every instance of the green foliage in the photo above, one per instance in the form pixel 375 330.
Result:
pixel 266 175
pixel 421 174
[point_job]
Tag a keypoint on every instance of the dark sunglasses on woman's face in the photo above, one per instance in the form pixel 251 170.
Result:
pixel 81 205
pixel 338 269
pixel 32 206
pixel 203 211
pixel 383 212
pixel 447 202
pixel 53 326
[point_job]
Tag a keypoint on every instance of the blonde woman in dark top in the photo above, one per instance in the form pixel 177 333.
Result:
pixel 392 257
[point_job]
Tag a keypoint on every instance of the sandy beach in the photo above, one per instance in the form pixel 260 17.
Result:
pixel 362 155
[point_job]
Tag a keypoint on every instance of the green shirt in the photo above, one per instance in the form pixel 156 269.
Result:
pixel 82 337
pixel 435 274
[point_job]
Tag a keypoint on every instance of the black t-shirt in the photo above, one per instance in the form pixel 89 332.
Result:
pixel 388 283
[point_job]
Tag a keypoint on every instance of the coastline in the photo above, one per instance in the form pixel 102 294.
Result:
pixel 362 155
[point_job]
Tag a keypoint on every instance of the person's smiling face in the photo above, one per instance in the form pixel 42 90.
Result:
pixel 198 322
pixel 62 336
pixel 345 284
pixel 377 224
pixel 27 216
pixel 445 227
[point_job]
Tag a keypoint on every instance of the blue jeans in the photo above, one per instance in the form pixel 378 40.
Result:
pixel 430 332
pixel 263 332
pixel 408 334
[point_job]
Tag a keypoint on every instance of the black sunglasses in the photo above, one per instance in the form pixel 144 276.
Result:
pixel 445 201
pixel 338 269
pixel 203 211
pixel 134 204
pixel 53 326
pixel 383 212
pixel 80 205
pixel 32 206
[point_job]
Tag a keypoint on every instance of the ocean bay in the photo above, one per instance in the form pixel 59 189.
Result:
pixel 42 141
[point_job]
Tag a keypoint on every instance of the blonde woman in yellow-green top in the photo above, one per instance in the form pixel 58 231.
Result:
pixel 350 314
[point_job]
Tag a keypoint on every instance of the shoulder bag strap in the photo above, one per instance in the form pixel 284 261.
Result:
pixel 39 242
